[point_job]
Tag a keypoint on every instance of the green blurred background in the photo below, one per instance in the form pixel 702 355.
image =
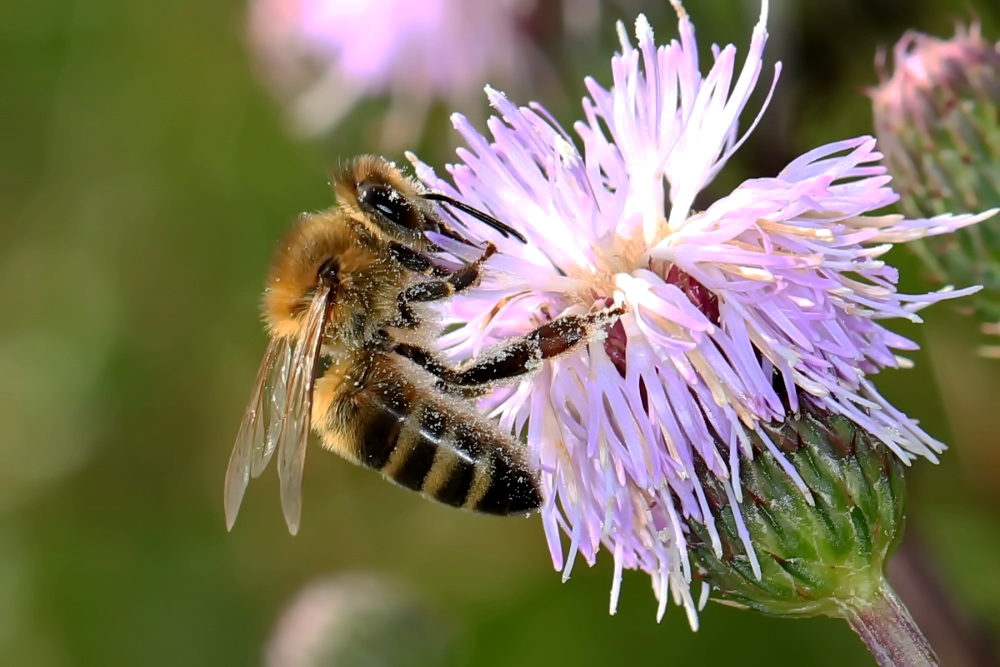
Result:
pixel 145 177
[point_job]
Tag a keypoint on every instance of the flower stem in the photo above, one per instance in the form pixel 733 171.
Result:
pixel 889 632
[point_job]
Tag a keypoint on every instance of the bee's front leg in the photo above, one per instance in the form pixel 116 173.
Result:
pixel 456 282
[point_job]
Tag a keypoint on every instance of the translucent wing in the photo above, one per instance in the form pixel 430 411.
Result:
pixel 250 453
pixel 294 432
pixel 277 391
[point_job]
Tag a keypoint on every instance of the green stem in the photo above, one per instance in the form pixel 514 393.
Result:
pixel 889 632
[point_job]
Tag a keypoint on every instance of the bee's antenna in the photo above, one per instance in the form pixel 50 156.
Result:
pixel 505 230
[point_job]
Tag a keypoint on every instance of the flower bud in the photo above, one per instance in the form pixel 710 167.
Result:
pixel 937 123
pixel 822 552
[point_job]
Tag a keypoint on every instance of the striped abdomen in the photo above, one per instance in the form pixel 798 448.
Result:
pixel 427 443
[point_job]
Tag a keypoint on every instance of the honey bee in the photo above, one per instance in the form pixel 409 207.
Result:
pixel 349 355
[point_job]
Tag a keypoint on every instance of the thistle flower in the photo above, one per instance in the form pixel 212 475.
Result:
pixel 738 316
pixel 322 57
pixel 936 119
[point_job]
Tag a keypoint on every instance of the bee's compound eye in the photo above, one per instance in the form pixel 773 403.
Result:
pixel 329 272
pixel 389 204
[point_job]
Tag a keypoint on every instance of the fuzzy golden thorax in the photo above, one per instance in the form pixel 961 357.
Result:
pixel 364 279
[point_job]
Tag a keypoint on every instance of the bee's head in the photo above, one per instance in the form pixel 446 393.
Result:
pixel 393 208
pixel 371 190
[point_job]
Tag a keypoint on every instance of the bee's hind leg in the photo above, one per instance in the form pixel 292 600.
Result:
pixel 516 357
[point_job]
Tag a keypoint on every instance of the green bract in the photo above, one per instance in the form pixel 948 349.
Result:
pixel 821 552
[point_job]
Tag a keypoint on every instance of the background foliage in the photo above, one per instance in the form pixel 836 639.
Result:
pixel 144 179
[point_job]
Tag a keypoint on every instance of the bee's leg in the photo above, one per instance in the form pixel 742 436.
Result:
pixel 416 261
pixel 406 318
pixel 454 282
pixel 429 362
pixel 519 356
pixel 463 392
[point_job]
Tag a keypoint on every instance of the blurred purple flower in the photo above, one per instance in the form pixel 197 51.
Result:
pixel 322 56
pixel 936 120
pixel 771 295
pixel 359 619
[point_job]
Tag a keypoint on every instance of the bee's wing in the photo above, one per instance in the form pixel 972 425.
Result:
pixel 255 440
pixel 276 393
pixel 294 432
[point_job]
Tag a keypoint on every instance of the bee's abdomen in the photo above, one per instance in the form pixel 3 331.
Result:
pixel 450 455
